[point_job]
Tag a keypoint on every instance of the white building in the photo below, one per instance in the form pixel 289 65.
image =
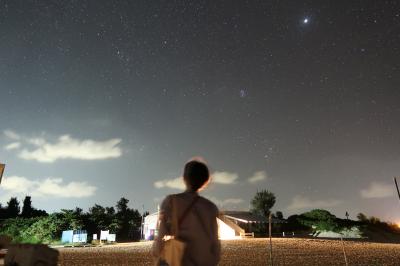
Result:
pixel 150 226
pixel 231 224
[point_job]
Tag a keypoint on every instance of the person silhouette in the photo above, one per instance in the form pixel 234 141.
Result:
pixel 197 219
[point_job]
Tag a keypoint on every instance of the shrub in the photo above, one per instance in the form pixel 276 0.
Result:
pixel 319 220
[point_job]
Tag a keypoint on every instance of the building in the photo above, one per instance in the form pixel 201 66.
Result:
pixel 74 236
pixel 150 226
pixel 231 224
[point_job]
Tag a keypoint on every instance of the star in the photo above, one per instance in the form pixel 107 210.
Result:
pixel 305 21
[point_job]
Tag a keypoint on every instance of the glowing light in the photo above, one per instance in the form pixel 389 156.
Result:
pixel 305 21
pixel 224 231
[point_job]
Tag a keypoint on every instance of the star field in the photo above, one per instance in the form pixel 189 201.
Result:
pixel 303 91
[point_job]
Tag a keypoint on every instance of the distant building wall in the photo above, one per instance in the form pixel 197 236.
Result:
pixel 150 226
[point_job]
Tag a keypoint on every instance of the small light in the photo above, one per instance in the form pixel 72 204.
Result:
pixel 305 21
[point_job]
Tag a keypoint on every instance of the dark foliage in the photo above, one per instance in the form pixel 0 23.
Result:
pixel 28 211
pixel 35 226
pixel 262 202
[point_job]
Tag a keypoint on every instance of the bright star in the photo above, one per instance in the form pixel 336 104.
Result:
pixel 305 21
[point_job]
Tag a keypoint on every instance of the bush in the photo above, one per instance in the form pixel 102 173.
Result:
pixel 294 225
pixel 319 220
pixel 16 228
pixel 125 222
pixel 45 229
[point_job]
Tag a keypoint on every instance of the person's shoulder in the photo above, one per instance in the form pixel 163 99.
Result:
pixel 167 201
pixel 170 196
pixel 209 204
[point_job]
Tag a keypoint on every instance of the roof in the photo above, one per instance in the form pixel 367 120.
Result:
pixel 240 216
pixel 248 217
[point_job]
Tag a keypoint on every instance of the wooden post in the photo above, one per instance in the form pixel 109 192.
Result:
pixel 142 223
pixel 344 252
pixel 2 166
pixel 270 239
pixel 397 187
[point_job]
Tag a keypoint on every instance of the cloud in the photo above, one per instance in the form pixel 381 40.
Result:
pixel 18 184
pixel 232 201
pixel 176 183
pixel 302 202
pixel 55 187
pixel 11 134
pixel 65 147
pixel 257 177
pixel 225 202
pixel 224 178
pixel 49 187
pixel 12 146
pixel 377 190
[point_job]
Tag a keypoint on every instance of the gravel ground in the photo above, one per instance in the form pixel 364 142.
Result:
pixel 290 251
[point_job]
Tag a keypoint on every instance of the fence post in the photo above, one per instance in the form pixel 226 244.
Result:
pixel 2 166
pixel 270 239
pixel 344 252
pixel 397 187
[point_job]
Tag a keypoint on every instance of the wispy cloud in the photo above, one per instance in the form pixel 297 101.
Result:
pixel 377 190
pixel 65 147
pixel 11 134
pixel 225 178
pixel 47 188
pixel 18 184
pixel 302 202
pixel 12 146
pixel 175 183
pixel 257 177
pixel 226 203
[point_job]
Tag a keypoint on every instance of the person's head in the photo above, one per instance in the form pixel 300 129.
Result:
pixel 196 175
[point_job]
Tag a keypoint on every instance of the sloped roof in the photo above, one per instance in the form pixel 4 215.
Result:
pixel 248 217
pixel 240 216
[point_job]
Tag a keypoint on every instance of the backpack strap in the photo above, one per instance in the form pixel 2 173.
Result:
pixel 185 213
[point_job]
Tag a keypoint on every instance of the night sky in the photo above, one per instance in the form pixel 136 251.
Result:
pixel 104 99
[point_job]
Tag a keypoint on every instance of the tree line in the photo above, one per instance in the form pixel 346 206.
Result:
pixel 13 209
pixel 30 225
pixel 318 220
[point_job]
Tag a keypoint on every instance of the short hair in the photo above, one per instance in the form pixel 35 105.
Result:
pixel 196 174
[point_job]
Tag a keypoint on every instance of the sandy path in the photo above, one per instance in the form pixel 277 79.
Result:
pixel 248 252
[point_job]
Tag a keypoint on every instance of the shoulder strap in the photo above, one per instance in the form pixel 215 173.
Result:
pixel 202 223
pixel 174 218
pixel 176 223
pixel 186 212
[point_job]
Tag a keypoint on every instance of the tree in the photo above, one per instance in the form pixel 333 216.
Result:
pixel 319 220
pixel 98 217
pixel 112 219
pixel 39 213
pixel 279 215
pixel 16 228
pixel 262 202
pixel 129 220
pixel 362 217
pixel 2 212
pixel 71 218
pixel 27 209
pixel 122 205
pixel 12 210
pixel 293 224
pixel 374 220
